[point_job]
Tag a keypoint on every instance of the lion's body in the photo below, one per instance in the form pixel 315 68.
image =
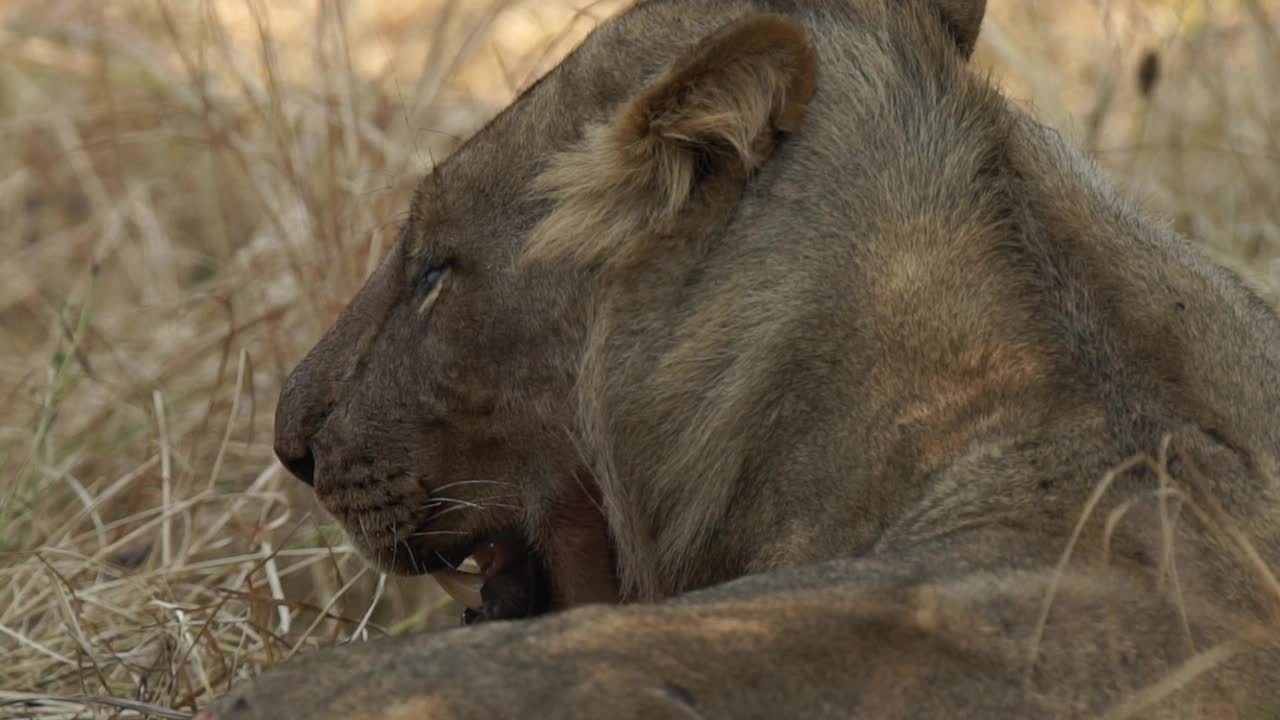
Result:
pixel 905 414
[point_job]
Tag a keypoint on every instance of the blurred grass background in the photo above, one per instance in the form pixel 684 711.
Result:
pixel 191 189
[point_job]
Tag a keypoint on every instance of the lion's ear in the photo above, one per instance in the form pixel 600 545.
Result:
pixel 963 19
pixel 711 119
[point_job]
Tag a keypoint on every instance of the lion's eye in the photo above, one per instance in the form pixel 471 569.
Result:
pixel 431 278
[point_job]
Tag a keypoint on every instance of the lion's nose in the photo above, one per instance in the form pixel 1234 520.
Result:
pixel 301 464
pixel 297 420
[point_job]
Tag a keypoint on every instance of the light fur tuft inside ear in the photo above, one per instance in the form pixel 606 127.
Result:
pixel 713 117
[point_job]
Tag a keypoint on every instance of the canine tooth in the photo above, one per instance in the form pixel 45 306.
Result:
pixel 471 566
pixel 463 587
pixel 484 556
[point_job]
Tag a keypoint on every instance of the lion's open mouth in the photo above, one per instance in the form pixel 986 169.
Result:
pixel 499 579
pixel 512 571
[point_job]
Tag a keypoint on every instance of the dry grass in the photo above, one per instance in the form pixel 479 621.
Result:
pixel 191 190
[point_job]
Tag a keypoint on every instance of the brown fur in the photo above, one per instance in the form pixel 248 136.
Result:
pixel 718 108
pixel 857 386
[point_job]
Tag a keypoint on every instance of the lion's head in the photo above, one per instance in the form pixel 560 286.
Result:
pixel 575 360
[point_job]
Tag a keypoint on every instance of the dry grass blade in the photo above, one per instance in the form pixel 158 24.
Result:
pixel 1091 505
pixel 139 708
pixel 1198 665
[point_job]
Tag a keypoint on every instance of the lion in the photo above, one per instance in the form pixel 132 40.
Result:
pixel 762 360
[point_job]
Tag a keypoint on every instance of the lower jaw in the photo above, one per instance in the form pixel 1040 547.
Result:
pixel 574 563
pixel 507 581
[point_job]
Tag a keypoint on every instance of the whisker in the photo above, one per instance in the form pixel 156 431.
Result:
pixel 435 516
pixel 446 511
pixel 424 533
pixel 463 503
pixel 481 506
pixel 473 482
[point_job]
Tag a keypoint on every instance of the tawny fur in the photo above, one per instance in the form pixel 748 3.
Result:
pixel 633 176
pixel 860 389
